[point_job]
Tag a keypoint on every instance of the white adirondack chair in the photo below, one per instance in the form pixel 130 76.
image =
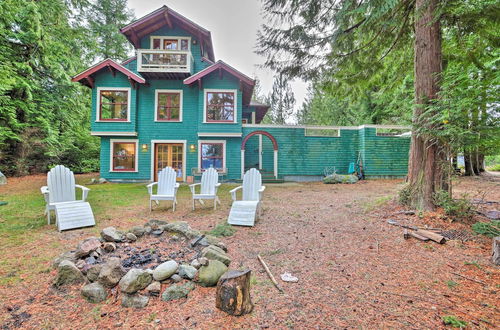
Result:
pixel 208 187
pixel 166 188
pixel 60 196
pixel 244 212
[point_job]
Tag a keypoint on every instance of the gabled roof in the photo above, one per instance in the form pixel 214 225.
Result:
pixel 246 83
pixel 260 110
pixel 166 16
pixel 86 79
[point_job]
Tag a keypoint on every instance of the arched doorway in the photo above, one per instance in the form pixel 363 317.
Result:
pixel 275 149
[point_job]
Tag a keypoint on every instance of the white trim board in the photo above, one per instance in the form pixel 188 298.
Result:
pixel 152 146
pixel 326 127
pixel 210 134
pixel 113 133
pixel 98 103
pixel 223 152
pixel 111 144
pixel 212 90
pixel 157 91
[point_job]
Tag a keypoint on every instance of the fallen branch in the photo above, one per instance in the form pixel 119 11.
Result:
pixel 470 279
pixel 407 235
pixel 269 273
pixel 397 224
pixel 431 235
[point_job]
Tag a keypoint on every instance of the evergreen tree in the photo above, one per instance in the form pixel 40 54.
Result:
pixel 105 18
pixel 282 101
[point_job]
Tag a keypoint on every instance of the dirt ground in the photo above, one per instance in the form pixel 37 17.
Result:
pixel 354 270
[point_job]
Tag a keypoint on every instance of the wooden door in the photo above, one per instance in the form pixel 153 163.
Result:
pixel 169 154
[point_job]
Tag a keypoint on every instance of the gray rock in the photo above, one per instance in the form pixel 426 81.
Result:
pixel 187 271
pixel 68 273
pixel 3 179
pixel 131 237
pixel 196 264
pixel 157 232
pixel 176 278
pixel 135 280
pixel 95 254
pixel 134 300
pixel 209 275
pixel 165 270
pixel 93 273
pixel 340 178
pixel 87 246
pixel 110 234
pixel 174 238
pixel 109 247
pixel 90 260
pixel 181 227
pixel 493 214
pixel 102 180
pixel 212 240
pixel 154 288
pixel 203 261
pixel 155 224
pixel 94 292
pixel 138 231
pixel 147 230
pixel 199 241
pixel 111 272
pixel 213 252
pixel 70 256
pixel 177 291
pixel 80 264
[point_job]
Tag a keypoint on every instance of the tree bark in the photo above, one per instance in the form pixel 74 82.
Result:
pixel 233 293
pixel 427 165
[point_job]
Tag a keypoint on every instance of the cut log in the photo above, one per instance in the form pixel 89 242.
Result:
pixel 431 235
pixel 233 293
pixel 417 236
pixel 495 253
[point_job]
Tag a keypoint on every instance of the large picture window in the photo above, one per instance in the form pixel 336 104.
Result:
pixel 212 155
pixel 124 156
pixel 170 43
pixel 220 106
pixel 113 104
pixel 168 105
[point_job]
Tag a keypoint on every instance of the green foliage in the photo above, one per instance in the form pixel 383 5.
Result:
pixel 451 284
pixel 454 322
pixel 495 168
pixel 222 230
pixel 490 229
pixel 282 100
pixel 459 209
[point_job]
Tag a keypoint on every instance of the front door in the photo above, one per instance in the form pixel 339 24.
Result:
pixel 169 154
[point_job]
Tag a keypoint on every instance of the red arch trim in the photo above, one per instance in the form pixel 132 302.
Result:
pixel 273 140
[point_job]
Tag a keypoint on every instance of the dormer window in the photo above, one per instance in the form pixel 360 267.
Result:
pixel 170 43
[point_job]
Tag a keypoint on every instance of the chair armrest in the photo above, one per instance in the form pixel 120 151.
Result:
pixel 261 190
pixel 233 192
pixel 192 187
pixel 85 191
pixel 150 187
pixel 217 185
pixel 45 192
pixel 177 185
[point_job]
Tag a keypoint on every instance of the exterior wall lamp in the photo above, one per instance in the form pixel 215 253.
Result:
pixel 144 147
pixel 192 147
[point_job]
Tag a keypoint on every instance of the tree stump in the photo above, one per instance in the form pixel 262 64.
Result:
pixel 495 253
pixel 233 293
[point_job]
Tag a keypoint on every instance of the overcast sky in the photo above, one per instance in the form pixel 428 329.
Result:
pixel 234 25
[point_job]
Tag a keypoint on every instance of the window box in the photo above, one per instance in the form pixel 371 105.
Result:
pixel 168 105
pixel 113 104
pixel 212 153
pixel 123 155
pixel 220 106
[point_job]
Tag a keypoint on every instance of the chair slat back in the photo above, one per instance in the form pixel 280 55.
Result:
pixel 166 181
pixel 61 183
pixel 208 181
pixel 252 182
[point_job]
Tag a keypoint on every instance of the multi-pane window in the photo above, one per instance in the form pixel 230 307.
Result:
pixel 170 43
pixel 168 106
pixel 220 106
pixel 212 155
pixel 113 105
pixel 124 156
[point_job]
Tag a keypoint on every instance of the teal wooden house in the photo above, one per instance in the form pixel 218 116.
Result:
pixel 174 105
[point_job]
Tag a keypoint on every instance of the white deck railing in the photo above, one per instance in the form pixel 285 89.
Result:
pixel 157 60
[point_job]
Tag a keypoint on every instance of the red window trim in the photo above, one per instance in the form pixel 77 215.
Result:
pixel 168 107
pixel 100 104
pixel 211 157
pixel 244 121
pixel 113 157
pixel 206 108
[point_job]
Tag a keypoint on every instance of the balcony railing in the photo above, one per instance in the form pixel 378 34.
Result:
pixel 156 60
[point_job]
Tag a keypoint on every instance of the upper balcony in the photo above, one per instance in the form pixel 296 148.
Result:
pixel 165 64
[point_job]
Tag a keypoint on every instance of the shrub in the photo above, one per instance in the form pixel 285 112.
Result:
pixel 495 168
pixel 222 229
pixel 454 321
pixel 490 229
pixel 457 209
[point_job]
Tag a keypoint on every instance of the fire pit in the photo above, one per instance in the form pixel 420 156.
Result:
pixel 142 262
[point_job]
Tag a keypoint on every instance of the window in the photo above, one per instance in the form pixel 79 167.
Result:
pixel 220 106
pixel 170 43
pixel 168 105
pixel 212 154
pixel 323 131
pixel 399 132
pixel 113 104
pixel 124 156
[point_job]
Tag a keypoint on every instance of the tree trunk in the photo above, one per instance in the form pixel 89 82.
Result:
pixel 426 170
pixel 233 293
